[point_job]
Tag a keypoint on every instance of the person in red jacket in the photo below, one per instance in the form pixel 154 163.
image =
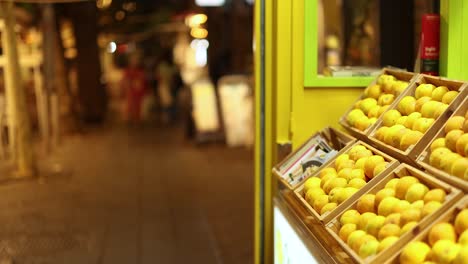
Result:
pixel 135 88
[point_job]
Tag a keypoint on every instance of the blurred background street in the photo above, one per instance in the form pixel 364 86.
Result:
pixel 126 131
pixel 132 195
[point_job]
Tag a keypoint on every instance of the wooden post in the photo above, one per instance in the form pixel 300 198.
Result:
pixel 16 96
pixel 63 99
pixel 91 93
pixel 54 113
pixel 41 104
pixel 48 46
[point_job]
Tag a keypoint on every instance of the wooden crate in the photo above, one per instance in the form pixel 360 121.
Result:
pixel 453 195
pixel 447 216
pixel 325 218
pixel 337 140
pixel 400 75
pixel 423 159
pixel 412 152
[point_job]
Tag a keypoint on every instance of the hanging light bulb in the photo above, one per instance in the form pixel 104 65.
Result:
pixel 112 47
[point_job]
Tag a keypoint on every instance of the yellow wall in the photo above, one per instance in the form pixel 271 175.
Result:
pixel 292 113
pixel 313 108
pixel 321 107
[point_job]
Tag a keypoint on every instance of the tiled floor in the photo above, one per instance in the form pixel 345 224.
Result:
pixel 133 195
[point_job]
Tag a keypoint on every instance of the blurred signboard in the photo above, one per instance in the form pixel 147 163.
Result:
pixel 289 247
pixel 237 110
pixel 205 109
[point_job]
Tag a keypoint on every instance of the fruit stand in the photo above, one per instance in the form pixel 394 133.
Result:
pixel 394 192
pixel 409 123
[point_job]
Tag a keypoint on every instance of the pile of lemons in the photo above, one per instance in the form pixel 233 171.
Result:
pixel 406 125
pixel 446 242
pixel 348 173
pixel 376 100
pixel 450 153
pixel 378 220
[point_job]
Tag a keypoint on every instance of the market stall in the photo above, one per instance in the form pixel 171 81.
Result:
pixel 369 200
pixel 407 124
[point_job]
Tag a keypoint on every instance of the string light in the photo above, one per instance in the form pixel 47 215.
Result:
pixel 199 33
pixel 70 53
pixel 119 15
pixel 129 6
pixel 195 20
pixel 101 4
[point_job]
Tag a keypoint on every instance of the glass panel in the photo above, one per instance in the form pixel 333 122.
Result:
pixel 348 33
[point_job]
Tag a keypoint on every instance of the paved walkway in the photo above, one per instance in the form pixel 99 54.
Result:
pixel 133 195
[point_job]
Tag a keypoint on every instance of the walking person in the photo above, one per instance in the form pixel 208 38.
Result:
pixel 135 88
pixel 165 75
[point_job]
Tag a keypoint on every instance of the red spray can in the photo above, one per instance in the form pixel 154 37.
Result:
pixel 430 37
